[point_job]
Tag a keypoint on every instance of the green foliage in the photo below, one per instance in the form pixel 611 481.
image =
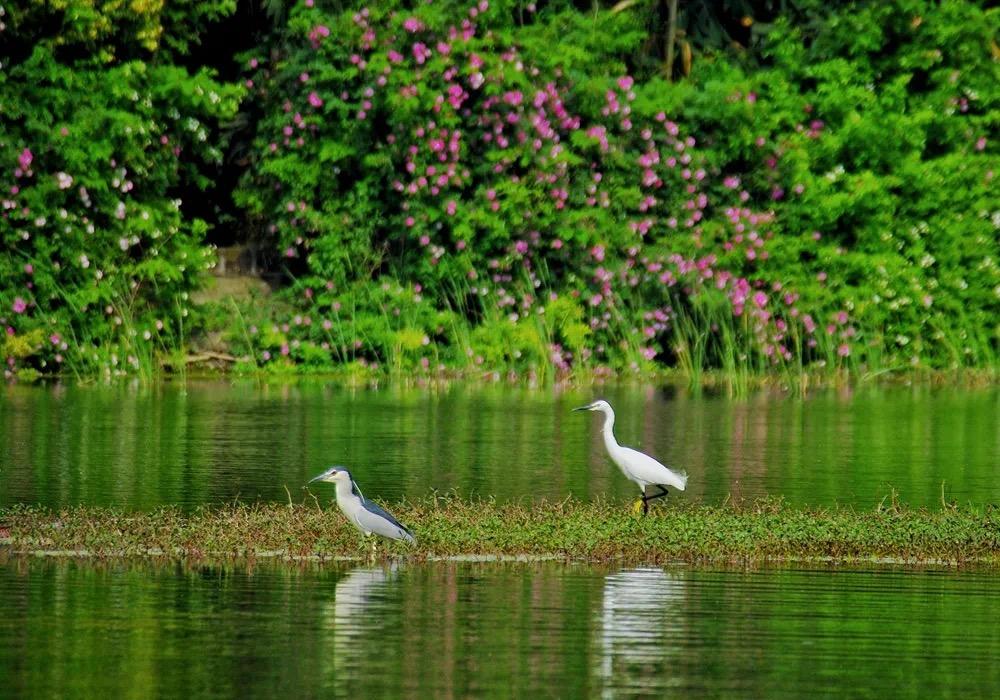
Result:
pixel 97 254
pixel 830 207
pixel 493 186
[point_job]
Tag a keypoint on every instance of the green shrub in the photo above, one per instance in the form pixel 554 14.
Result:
pixel 98 131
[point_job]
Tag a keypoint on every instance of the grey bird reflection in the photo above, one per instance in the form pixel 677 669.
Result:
pixel 638 624
pixel 355 596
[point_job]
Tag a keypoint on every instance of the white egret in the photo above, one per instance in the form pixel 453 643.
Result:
pixel 638 467
pixel 366 515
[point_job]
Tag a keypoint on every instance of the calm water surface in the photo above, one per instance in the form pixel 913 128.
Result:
pixel 70 629
pixel 212 442
pixel 478 630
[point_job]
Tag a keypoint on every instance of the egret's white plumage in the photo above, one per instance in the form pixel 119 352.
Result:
pixel 636 466
pixel 366 515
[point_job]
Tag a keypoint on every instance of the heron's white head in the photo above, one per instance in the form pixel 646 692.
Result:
pixel 599 405
pixel 334 475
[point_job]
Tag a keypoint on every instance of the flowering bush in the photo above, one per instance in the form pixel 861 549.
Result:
pixel 490 184
pixel 505 164
pixel 97 256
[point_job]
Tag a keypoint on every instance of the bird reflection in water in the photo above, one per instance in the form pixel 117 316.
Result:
pixel 639 632
pixel 357 599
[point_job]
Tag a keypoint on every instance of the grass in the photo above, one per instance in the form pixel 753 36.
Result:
pixel 755 533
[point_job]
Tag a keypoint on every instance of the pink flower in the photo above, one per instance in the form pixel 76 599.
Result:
pixel 315 100
pixel 625 83
pixel 841 317
pixel 843 350
pixel 20 305
pixel 760 300
pixel 24 160
pixel 597 252
pixel 521 247
pixel 420 52
pixel 412 24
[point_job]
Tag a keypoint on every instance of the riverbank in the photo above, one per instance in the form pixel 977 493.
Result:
pixel 761 532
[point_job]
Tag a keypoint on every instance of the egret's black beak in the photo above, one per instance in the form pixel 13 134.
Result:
pixel 583 408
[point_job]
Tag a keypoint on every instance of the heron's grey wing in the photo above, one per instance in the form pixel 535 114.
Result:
pixel 376 519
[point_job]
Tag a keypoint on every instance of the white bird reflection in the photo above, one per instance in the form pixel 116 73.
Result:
pixel 353 622
pixel 639 630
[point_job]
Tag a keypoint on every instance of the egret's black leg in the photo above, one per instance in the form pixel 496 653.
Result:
pixel 661 494
pixel 645 504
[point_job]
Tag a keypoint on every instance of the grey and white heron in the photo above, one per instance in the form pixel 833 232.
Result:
pixel 366 515
pixel 638 467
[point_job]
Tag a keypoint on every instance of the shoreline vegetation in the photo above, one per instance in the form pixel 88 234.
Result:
pixel 761 532
pixel 493 188
pixel 798 383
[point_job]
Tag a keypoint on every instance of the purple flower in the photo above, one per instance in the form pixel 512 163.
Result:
pixel 24 160
pixel 19 305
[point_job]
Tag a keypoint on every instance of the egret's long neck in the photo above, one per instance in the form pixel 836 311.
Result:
pixel 608 430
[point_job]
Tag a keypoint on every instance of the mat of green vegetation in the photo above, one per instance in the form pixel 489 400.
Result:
pixel 759 532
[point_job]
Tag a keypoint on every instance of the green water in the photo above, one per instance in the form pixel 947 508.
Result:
pixel 475 630
pixel 213 442
pixel 113 629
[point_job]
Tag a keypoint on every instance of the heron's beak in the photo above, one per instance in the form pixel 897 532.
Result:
pixel 583 408
pixel 320 477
